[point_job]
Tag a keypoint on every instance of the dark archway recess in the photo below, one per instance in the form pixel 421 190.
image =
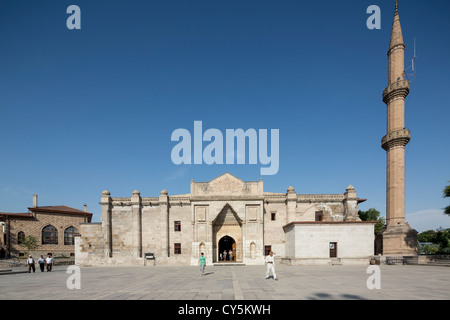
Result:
pixel 226 244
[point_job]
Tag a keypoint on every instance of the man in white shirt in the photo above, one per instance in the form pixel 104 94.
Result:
pixel 30 262
pixel 41 261
pixel 270 263
pixel 49 262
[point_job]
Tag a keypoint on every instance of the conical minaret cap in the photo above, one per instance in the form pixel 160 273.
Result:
pixel 396 35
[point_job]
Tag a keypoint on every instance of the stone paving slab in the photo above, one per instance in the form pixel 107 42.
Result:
pixel 230 283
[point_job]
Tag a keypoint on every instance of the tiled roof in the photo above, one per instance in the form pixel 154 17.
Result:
pixel 59 209
pixel 17 214
pixel 49 209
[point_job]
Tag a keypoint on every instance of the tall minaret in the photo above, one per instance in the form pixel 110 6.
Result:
pixel 397 234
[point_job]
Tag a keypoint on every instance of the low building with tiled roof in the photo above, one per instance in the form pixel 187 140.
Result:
pixel 54 228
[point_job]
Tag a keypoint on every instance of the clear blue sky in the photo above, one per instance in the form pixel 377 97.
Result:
pixel 92 109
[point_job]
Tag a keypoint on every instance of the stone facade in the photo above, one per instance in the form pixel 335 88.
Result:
pixel 176 229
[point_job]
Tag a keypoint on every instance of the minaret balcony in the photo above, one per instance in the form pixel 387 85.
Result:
pixel 399 88
pixel 397 138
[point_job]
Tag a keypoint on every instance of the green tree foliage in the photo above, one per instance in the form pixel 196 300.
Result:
pixel 427 248
pixel 440 238
pixel 446 194
pixel 427 236
pixel 30 243
pixel 372 215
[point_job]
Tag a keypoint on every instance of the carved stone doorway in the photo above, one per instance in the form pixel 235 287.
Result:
pixel 227 235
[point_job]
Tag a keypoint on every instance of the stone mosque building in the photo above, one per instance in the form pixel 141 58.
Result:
pixel 229 219
pixel 227 215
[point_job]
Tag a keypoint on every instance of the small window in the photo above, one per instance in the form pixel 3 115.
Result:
pixel 177 225
pixel 20 237
pixel 319 215
pixel 177 248
pixel 267 250
pixel 273 216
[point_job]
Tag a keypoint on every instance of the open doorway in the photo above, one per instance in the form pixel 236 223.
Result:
pixel 227 249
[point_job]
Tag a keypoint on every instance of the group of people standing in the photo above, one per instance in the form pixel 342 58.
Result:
pixel 47 262
pixel 227 256
pixel 269 261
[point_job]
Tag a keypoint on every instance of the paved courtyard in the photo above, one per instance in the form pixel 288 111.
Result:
pixel 230 283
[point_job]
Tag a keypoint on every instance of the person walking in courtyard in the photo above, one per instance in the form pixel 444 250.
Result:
pixel 41 261
pixel 49 261
pixel 270 265
pixel 31 264
pixel 202 263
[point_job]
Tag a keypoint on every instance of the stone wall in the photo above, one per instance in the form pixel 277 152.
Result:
pixel 310 241
pixel 33 227
pixel 90 245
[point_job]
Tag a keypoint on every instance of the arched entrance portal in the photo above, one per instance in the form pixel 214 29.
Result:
pixel 227 235
pixel 227 249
